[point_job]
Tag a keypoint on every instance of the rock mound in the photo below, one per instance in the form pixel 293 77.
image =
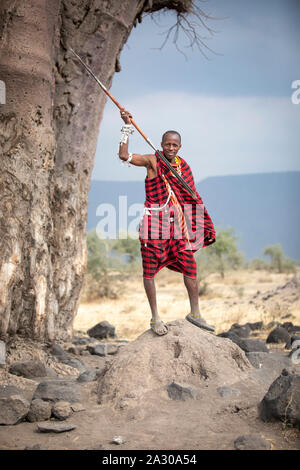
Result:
pixel 186 354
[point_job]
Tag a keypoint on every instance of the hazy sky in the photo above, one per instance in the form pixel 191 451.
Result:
pixel 234 110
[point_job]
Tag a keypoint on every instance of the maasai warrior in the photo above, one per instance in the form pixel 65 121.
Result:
pixel 174 224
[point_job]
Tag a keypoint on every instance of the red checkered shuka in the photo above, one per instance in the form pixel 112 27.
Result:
pixel 169 236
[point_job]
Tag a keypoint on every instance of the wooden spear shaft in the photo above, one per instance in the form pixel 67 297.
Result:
pixel 163 158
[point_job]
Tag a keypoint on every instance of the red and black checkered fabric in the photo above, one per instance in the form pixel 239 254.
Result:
pixel 163 242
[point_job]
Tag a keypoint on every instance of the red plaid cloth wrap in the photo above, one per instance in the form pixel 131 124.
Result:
pixel 167 238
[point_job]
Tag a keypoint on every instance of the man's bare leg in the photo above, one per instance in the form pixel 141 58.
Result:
pixel 192 288
pixel 151 294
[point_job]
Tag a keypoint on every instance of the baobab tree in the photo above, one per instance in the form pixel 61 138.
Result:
pixel 48 134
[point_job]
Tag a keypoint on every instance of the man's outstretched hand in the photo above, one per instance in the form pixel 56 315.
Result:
pixel 126 116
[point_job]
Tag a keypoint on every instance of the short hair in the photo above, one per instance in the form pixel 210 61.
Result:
pixel 171 132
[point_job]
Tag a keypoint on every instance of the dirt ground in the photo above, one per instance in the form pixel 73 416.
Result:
pixel 162 423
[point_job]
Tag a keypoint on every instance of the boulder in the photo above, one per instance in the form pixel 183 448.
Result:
pixel 256 325
pixel 150 363
pixel 88 376
pixel 246 344
pixel 13 409
pixel 61 410
pixel 282 401
pixel 66 358
pixel 251 442
pixel 180 392
pixel 58 390
pixel 82 340
pixel 278 335
pixel 40 410
pixel 241 330
pixel 28 369
pixel 102 330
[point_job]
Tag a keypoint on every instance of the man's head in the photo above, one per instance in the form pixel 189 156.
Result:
pixel 171 143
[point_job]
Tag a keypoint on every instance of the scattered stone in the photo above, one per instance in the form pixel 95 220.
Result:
pixel 75 350
pixel 66 358
pixel 251 442
pixel 40 410
pixel 102 330
pixel 76 407
pixel 2 353
pixel 28 369
pixel 98 349
pixel 58 390
pixel 256 325
pixel 290 342
pixel 279 335
pixel 228 391
pixel 180 392
pixel 246 344
pixel 88 376
pixel 282 401
pixel 61 410
pixel 241 330
pixel 13 409
pixel 118 440
pixel 55 427
pixel 82 341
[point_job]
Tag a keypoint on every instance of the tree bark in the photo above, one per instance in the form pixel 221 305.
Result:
pixel 48 135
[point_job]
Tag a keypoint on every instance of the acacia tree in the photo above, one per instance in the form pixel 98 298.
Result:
pixel 48 133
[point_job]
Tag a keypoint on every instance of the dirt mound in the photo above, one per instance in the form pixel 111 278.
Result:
pixel 186 354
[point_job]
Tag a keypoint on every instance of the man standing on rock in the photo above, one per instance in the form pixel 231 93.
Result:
pixel 174 225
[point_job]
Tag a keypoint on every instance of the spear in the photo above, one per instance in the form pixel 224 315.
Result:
pixel 161 156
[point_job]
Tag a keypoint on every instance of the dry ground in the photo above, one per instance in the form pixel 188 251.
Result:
pixel 226 302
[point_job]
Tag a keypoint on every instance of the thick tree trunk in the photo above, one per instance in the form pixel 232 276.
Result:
pixel 48 135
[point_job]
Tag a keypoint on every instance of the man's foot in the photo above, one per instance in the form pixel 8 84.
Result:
pixel 159 327
pixel 197 320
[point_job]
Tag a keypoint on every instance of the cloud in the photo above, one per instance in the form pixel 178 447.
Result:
pixel 220 135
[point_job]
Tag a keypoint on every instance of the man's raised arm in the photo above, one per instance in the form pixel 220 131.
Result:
pixel 135 158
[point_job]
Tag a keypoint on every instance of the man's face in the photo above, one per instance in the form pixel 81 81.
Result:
pixel 171 145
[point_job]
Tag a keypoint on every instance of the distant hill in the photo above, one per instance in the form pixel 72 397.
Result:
pixel 263 208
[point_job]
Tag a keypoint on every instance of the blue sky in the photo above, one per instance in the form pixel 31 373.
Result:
pixel 233 110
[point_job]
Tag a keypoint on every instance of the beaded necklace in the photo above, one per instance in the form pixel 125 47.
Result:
pixel 178 165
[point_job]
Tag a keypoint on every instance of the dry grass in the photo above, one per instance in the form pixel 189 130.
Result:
pixel 224 303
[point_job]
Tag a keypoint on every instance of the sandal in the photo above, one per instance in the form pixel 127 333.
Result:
pixel 152 323
pixel 199 321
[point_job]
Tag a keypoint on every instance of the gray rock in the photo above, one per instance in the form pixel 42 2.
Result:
pixel 55 427
pixel 61 410
pixel 29 369
pixel 291 341
pixel 102 330
pixel 8 390
pixel 88 376
pixel 40 410
pixel 279 335
pixel 82 341
pixel 228 391
pixel 241 330
pixel 98 349
pixel 58 390
pixel 282 401
pixel 256 325
pixel 66 358
pixel 256 358
pixel 180 392
pixel 76 407
pixel 251 442
pixel 246 344
pixel 13 409
pixel 2 353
